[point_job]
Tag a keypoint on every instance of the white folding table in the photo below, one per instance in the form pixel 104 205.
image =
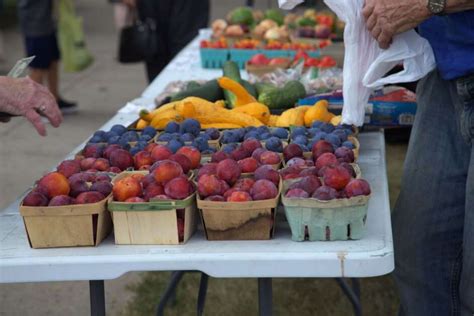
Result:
pixel 279 257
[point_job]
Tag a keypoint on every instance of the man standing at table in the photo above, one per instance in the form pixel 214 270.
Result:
pixel 434 215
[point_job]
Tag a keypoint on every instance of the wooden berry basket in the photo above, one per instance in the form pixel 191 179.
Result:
pixel 254 220
pixel 66 226
pixel 261 70
pixel 152 223
pixel 339 219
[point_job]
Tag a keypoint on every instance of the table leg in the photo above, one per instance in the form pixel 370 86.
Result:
pixel 202 293
pixel 353 294
pixel 169 292
pixel 97 297
pixel 265 296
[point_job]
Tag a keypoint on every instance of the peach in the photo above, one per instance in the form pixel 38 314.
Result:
pixel 248 165
pixel 336 177
pixel 180 226
pixel 264 190
pixel 349 168
pixel 84 176
pixel 93 150
pixel 257 153
pixel 54 183
pixel 160 152
pixel 209 168
pixel 77 187
pixel 153 189
pixel 104 187
pixel 344 154
pixel 290 170
pixel 291 151
pixel 357 187
pixel 101 164
pixel 35 198
pixel 102 177
pixel 193 155
pixel 160 197
pixel 311 171
pixel 115 169
pixel 307 183
pixel 147 180
pixel 209 184
pixel 296 161
pixel 126 188
pixel 121 158
pixel 167 170
pixel 296 193
pixel 150 147
pixel 219 156
pixel 179 188
pixel 244 184
pixel 269 158
pixel 87 163
pixel 250 144
pixel 320 148
pixel 239 154
pixel 230 191
pixel 183 161
pixel 291 176
pixel 228 170
pixel 224 187
pixel 325 193
pixel 92 170
pixel 239 196
pixel 109 149
pixel 135 199
pixel 144 167
pixel 69 167
pixel 325 159
pixel 215 198
pixel 142 158
pixel 89 197
pixel 138 176
pixel 59 200
pixel 266 172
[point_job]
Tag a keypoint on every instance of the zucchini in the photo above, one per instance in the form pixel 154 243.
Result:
pixel 262 87
pixel 209 91
pixel 283 98
pixel 231 70
pixel 249 87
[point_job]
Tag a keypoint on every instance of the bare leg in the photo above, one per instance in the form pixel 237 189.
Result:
pixel 53 79
pixel 37 75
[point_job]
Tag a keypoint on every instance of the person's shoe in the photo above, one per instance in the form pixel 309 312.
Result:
pixel 67 107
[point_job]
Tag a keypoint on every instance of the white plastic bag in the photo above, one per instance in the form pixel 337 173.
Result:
pixel 365 63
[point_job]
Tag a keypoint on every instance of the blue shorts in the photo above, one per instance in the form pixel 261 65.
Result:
pixel 45 48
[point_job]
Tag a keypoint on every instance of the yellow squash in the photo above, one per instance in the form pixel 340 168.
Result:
pixel 294 116
pixel 161 119
pixel 258 110
pixel 242 95
pixel 220 125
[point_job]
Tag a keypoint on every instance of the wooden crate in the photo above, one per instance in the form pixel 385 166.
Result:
pixel 239 220
pixel 66 226
pixel 152 223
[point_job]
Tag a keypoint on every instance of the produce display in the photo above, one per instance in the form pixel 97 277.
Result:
pixel 269 32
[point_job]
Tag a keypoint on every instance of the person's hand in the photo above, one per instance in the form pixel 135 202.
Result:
pixel 27 98
pixel 386 18
pixel 130 3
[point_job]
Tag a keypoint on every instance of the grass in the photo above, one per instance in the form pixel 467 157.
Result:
pixel 290 296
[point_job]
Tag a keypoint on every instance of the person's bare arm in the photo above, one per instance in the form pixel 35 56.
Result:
pixel 27 98
pixel 386 18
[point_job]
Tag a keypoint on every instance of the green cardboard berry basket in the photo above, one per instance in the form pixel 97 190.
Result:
pixel 340 219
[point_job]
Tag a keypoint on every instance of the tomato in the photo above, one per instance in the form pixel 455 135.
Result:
pixel 312 62
pixel 327 61
pixel 301 54
pixel 325 19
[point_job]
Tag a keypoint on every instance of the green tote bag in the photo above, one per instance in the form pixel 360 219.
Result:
pixel 74 53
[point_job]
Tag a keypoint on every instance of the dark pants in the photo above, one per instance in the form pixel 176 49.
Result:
pixel 434 215
pixel 178 22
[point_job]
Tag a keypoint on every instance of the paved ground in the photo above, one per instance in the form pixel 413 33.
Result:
pixel 24 156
